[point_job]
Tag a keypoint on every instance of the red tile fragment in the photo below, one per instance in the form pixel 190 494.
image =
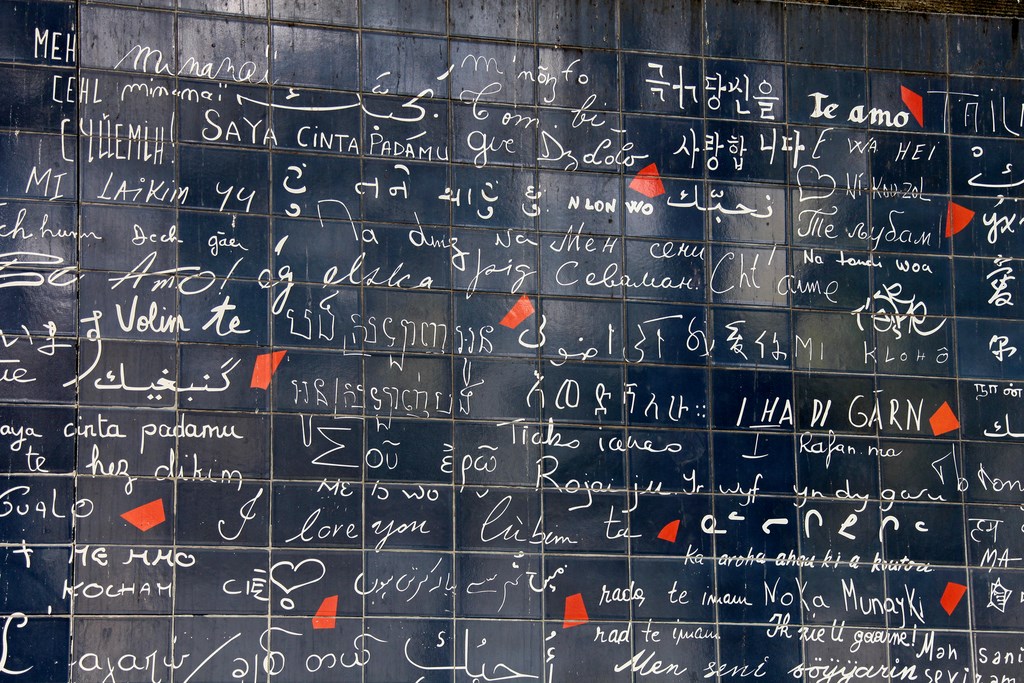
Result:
pixel 327 614
pixel 648 182
pixel 575 611
pixel 943 420
pixel 522 310
pixel 147 516
pixel 914 103
pixel 957 218
pixel 951 596
pixel 669 531
pixel 264 368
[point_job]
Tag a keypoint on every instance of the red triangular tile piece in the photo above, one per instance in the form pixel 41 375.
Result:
pixel 147 516
pixel 522 310
pixel 957 218
pixel 915 104
pixel 951 596
pixel 648 182
pixel 943 420
pixel 264 368
pixel 669 531
pixel 327 614
pixel 575 611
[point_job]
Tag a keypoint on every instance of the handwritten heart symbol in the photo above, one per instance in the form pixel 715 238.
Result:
pixel 808 174
pixel 292 570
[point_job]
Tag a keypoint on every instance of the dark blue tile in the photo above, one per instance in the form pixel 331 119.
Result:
pixel 235 312
pixel 751 337
pixel 907 472
pixel 497 519
pixel 306 375
pixel 734 581
pixel 250 8
pixel 406 15
pixel 652 513
pixel 309 516
pixel 413 386
pixel 943 542
pixel 582 329
pixel 908 227
pixel 674 461
pixel 744 90
pixel 588 23
pixel 684 590
pixel 223 49
pixel 572 460
pixel 583 392
pixel 813 91
pixel 423 635
pixel 827 218
pixel 316 121
pixel 763 461
pixel 316 187
pixel 578 79
pixel 337 12
pixel 222 244
pixel 747 213
pixel 683 155
pixel 988 288
pixel 208 583
pixel 39 664
pixel 825 35
pixel 680 215
pixel 589 202
pixel 591 578
pixel 477 268
pixel 43 370
pixel 298 57
pixel 985 45
pixel 661 26
pixel 23 24
pixel 107 500
pixel 492 141
pixel 493 72
pixel 664 85
pixel 394 260
pixel 225 179
pixel 891 96
pixel 743 275
pixel 504 590
pixel 985 106
pixel 241 117
pixel 826 341
pixel 768 525
pixel 411 322
pixel 815 282
pixel 21 178
pixel 119 568
pixel 984 167
pixel 332 446
pixel 650 325
pixel 906 42
pixel 561 146
pixel 31 104
pixel 404 65
pixel 37 591
pixel 128 40
pixel 670 396
pixel 209 514
pixel 509 19
pixel 743 29
pixel 989 348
